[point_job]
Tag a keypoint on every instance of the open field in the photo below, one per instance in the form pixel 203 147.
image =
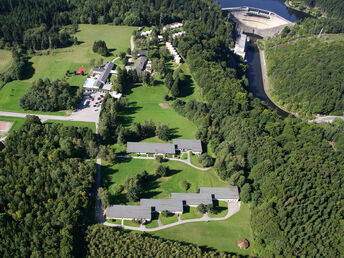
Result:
pixel 220 235
pixel 55 64
pixel 90 125
pixel 161 187
pixel 17 122
pixel 5 60
pixel 144 105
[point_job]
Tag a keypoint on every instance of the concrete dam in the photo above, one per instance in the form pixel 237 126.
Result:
pixel 256 21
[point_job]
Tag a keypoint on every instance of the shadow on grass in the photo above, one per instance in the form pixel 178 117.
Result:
pixel 186 88
pixel 125 119
pixel 173 133
pixel 29 71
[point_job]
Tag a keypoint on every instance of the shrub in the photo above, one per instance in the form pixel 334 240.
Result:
pixel 185 185
pixel 201 208
pixel 165 213
pixel 162 171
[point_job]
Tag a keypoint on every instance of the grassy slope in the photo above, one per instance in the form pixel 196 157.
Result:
pixel 5 60
pixel 144 105
pixel 55 65
pixel 90 125
pixel 220 235
pixel 162 187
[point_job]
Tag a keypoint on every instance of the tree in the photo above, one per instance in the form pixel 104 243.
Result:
pixel 175 88
pixel 162 171
pixel 162 132
pixel 210 208
pixel 107 153
pixel 133 194
pixel 104 196
pixel 201 208
pixel 159 159
pixel 100 48
pixel 122 55
pixel 245 193
pixel 206 160
pixel 165 213
pixel 168 80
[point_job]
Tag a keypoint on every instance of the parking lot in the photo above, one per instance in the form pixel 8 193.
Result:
pixel 89 106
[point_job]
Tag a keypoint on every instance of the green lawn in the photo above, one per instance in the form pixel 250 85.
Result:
pixel 171 218
pixel 152 224
pixel 191 213
pixel 161 187
pixel 5 60
pixel 90 125
pixel 194 160
pixel 220 235
pixel 189 89
pixel 114 221
pixel 221 209
pixel 131 223
pixel 55 64
pixel 17 122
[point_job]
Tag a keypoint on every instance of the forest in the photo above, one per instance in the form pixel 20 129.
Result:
pixel 330 7
pixel 44 187
pixel 45 95
pixel 307 76
pixel 109 242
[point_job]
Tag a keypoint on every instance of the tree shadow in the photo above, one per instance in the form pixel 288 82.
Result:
pixel 129 89
pixel 79 42
pixel 172 132
pixel 186 88
pixel 29 71
pixel 173 172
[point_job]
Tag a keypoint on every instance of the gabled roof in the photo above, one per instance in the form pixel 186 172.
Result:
pixel 160 205
pixel 194 145
pixel 193 198
pixel 230 192
pixel 147 147
pixel 107 69
pixel 140 64
pixel 128 212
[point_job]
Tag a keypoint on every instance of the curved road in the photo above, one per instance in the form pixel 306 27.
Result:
pixel 233 207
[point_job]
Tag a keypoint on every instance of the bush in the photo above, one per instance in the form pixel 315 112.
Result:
pixel 100 48
pixel 206 160
pixel 211 209
pixel 185 185
pixel 162 171
pixel 201 208
pixel 165 213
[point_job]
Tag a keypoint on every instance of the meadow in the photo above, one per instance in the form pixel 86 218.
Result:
pixel 113 175
pixel 53 64
pixel 5 60
pixel 219 235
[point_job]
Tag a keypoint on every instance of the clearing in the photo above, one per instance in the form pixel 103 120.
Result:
pixel 54 64
pixel 5 60
pixel 220 235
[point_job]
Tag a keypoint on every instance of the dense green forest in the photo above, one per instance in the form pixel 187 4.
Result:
pixel 44 187
pixel 109 242
pixel 307 76
pixel 45 95
pixel 330 7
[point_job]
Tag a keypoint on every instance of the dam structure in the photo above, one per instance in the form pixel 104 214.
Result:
pixel 259 22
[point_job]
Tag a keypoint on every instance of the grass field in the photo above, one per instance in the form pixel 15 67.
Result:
pixel 169 219
pixel 131 223
pixel 220 235
pixel 90 125
pixel 144 105
pixel 191 213
pixel 152 224
pixel 17 122
pixel 161 187
pixel 5 60
pixel 55 64
pixel 221 209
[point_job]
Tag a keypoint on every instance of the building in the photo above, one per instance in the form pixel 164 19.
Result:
pixel 80 71
pixel 188 145
pixel 100 76
pixel 150 148
pixel 159 205
pixel 172 26
pixel 141 53
pixel 193 199
pixel 227 194
pixel 241 46
pixel 140 64
pixel 173 52
pixel 146 33
pixel 115 94
pixel 178 34
pixel 129 212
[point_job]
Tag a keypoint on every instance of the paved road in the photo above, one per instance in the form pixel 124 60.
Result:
pixel 233 207
pixel 99 213
pixel 180 160
pixel 132 45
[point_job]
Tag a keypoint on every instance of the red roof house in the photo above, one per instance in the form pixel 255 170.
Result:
pixel 81 71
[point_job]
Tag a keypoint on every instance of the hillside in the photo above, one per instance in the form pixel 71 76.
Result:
pixel 306 76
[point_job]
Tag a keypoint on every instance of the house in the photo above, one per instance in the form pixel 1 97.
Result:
pixel 159 205
pixel 100 76
pixel 188 145
pixel 140 64
pixel 178 34
pixel 227 194
pixel 193 199
pixel 80 71
pixel 172 26
pixel 150 148
pixel 129 212
pixel 146 33
pixel 173 52
pixel 141 53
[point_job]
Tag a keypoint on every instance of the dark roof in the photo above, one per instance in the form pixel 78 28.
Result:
pixel 147 147
pixel 193 198
pixel 107 69
pixel 194 145
pixel 160 205
pixel 140 64
pixel 98 69
pixel 128 212
pixel 230 192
